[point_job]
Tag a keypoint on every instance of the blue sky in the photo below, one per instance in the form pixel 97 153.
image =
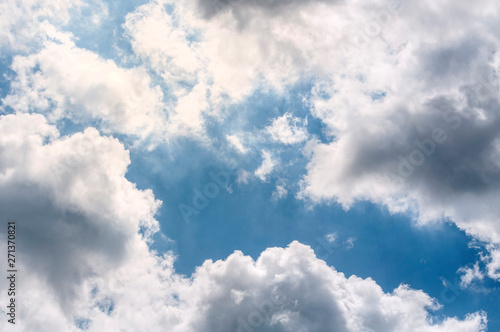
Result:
pixel 350 150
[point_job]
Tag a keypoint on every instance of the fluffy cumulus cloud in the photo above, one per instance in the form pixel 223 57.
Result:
pixel 470 274
pixel 65 81
pixel 288 129
pixel 291 290
pixel 413 117
pixel 76 212
pixel 23 24
pixel 166 44
pixel 29 24
pixel 229 56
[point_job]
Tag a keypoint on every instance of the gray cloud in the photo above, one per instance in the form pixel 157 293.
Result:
pixel 289 289
pixel 210 8
pixel 431 144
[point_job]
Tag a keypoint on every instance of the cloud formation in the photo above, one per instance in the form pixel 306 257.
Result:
pixel 84 259
pixel 413 119
pixel 64 81
pixel 409 101
pixel 25 25
pixel 286 289
pixel 288 129
pixel 267 166
pixel 210 8
pixel 82 212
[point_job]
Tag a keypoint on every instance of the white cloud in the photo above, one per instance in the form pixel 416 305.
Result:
pixel 83 216
pixel 188 115
pixel 28 25
pixel 267 166
pixel 162 40
pixel 470 275
pixel 280 191
pixel 243 177
pixel 493 267
pixel 236 143
pixel 288 129
pixel 332 237
pixel 25 24
pixel 233 55
pixel 68 82
pixel 349 243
